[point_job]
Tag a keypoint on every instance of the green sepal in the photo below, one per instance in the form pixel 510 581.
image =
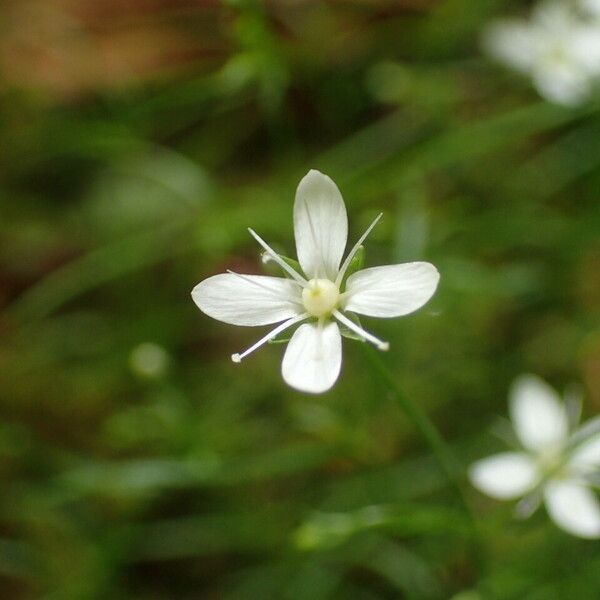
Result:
pixel 348 333
pixel 356 264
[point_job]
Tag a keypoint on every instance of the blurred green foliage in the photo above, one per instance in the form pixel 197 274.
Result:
pixel 139 140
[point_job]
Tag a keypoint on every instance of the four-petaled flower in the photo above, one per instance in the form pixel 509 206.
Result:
pixel 320 296
pixel 557 48
pixel 555 464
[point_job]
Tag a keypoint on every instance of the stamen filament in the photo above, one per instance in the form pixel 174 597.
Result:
pixel 237 358
pixel 354 250
pixel 277 258
pixel 369 337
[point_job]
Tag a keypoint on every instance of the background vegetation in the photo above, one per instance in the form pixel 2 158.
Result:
pixel 139 139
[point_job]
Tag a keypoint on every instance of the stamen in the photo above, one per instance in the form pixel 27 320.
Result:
pixel 277 258
pixel 237 358
pixel 354 250
pixel 380 344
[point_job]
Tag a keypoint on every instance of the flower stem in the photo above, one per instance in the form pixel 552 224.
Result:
pixel 439 447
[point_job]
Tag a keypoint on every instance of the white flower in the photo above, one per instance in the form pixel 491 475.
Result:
pixel 554 465
pixel 556 48
pixel 313 357
pixel 590 7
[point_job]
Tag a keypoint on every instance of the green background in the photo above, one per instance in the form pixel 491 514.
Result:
pixel 139 140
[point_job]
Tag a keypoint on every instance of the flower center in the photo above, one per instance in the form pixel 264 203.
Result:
pixel 320 297
pixel 552 462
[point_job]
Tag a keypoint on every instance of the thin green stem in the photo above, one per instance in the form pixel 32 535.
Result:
pixel 442 451
pixel 439 447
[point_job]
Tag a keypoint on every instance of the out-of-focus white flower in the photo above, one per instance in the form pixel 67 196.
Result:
pixel 554 464
pixel 590 7
pixel 313 357
pixel 558 49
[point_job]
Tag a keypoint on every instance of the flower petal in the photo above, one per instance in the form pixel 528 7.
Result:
pixel 538 415
pixel 248 299
pixel 313 358
pixel 573 507
pixel 591 7
pixel 504 476
pixel 586 48
pixel 565 84
pixel 320 226
pixel 392 290
pixel 512 42
pixel 586 457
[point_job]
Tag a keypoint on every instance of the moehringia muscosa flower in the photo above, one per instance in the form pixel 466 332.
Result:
pixel 590 8
pixel 320 298
pixel 558 47
pixel 556 464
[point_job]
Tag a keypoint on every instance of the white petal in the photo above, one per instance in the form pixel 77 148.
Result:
pixel 248 299
pixel 553 17
pixel 538 415
pixel 320 226
pixel 586 457
pixel 573 507
pixel 566 84
pixel 313 358
pixel 392 290
pixel 592 7
pixel 513 42
pixel 504 476
pixel 586 48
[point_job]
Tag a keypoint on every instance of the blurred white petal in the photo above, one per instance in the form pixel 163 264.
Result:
pixel 588 429
pixel 573 507
pixel 590 7
pixel 392 290
pixel 538 415
pixel 553 16
pixel 313 358
pixel 586 48
pixel 505 476
pixel 586 457
pixel 248 299
pixel 512 42
pixel 320 226
pixel 562 83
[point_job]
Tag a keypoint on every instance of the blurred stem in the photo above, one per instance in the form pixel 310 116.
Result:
pixel 428 430
pixel 442 451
